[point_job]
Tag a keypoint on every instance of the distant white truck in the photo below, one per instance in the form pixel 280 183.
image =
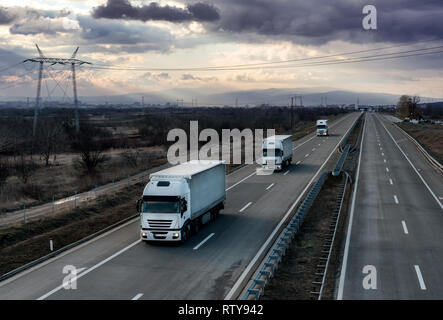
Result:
pixel 322 128
pixel 180 199
pixel 277 152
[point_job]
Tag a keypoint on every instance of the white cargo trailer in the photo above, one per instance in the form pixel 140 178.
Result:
pixel 322 128
pixel 277 152
pixel 178 200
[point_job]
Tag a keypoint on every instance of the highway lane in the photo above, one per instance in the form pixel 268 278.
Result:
pixel 180 272
pixel 397 224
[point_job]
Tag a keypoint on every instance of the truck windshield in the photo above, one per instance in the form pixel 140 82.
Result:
pixel 322 127
pixel 272 152
pixel 160 207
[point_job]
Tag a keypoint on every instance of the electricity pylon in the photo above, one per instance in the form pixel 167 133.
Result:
pixel 41 60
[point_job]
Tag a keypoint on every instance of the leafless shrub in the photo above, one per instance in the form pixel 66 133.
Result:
pixel 25 168
pixel 5 171
pixel 131 157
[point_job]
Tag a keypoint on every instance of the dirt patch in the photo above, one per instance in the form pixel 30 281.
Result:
pixel 430 136
pixel 294 277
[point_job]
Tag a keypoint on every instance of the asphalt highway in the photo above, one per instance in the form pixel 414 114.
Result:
pixel 396 221
pixel 117 265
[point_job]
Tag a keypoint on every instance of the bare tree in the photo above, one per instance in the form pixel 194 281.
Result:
pixel 25 168
pixel 407 106
pixel 48 137
pixel 131 157
pixel 4 172
pixel 90 149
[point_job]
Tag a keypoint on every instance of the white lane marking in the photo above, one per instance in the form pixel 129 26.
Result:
pixel 203 242
pixel 351 218
pixel 270 186
pixel 382 154
pixel 240 181
pixel 319 144
pixel 138 296
pixel 313 149
pixel 80 270
pixel 245 207
pixel 420 277
pixel 307 155
pixel 390 181
pixel 251 264
pixel 298 162
pixel 384 160
pixel 413 167
pixel 286 173
pixel 395 199
pixel 387 169
pixel 405 228
pixel 91 269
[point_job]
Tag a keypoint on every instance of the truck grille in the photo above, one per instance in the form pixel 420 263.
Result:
pixel 165 224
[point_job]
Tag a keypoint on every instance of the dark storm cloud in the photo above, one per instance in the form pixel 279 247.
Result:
pixel 5 16
pixel 320 21
pixel 123 9
pixel 129 38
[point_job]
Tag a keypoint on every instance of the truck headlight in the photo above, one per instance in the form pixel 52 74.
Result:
pixel 175 235
pixel 144 235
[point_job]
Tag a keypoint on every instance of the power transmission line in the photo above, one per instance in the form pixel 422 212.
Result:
pixel 264 64
pixel 394 55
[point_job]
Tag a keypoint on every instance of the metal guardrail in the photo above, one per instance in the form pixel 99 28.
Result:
pixel 339 166
pixel 278 251
pixel 345 140
pixel 434 162
pixel 328 244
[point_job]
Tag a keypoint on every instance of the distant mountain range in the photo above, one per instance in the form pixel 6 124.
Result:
pixel 277 97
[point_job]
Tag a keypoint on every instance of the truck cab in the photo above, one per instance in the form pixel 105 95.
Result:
pixel 322 128
pixel 277 152
pixel 163 209
pixel 178 200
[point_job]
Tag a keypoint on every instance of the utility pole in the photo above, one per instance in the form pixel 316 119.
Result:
pixel 41 60
pixel 37 99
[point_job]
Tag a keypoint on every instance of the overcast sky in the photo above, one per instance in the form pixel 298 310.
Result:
pixel 188 34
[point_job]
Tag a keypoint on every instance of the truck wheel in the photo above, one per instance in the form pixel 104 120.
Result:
pixel 184 236
pixel 185 233
pixel 196 227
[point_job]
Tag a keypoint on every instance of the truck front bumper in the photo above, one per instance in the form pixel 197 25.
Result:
pixel 160 235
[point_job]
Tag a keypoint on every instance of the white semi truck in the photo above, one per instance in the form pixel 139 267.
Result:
pixel 322 128
pixel 277 152
pixel 178 200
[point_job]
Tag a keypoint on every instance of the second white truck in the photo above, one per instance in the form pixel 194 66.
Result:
pixel 180 199
pixel 322 128
pixel 277 152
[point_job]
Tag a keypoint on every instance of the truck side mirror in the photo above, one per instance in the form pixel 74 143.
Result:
pixel 184 206
pixel 138 205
